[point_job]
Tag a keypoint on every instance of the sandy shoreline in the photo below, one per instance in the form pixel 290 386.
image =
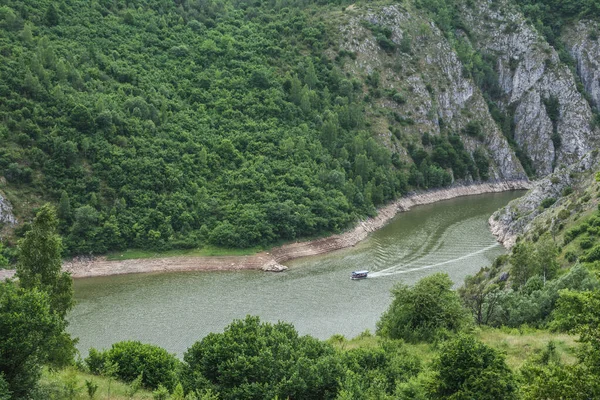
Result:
pixel 101 267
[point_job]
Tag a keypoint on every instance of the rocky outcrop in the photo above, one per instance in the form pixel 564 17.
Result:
pixel 6 212
pixel 584 45
pixel 531 77
pixel 431 78
pixel 520 215
pixel 273 266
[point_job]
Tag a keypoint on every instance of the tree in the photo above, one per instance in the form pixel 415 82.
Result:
pixel 469 369
pixel 135 359
pixel 51 17
pixel 39 267
pixel 28 331
pixel 39 262
pixel 420 312
pixel 480 296
pixel 64 208
pixel 254 360
pixel 4 390
pixel 524 263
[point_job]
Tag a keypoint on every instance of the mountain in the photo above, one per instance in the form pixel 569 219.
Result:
pixel 177 124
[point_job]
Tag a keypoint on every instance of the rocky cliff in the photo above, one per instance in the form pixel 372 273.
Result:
pixel 552 118
pixel 539 209
pixel 430 75
pixel 583 44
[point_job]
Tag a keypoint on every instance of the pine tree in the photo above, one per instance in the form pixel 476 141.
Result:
pixel 51 18
pixel 311 76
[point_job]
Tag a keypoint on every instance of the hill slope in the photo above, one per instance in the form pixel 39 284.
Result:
pixel 162 125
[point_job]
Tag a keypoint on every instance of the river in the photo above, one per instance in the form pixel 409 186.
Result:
pixel 315 294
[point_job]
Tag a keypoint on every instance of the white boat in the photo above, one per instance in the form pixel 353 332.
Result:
pixel 359 274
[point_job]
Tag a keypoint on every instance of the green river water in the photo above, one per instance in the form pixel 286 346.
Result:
pixel 316 294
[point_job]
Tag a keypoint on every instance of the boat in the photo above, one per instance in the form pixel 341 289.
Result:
pixel 359 274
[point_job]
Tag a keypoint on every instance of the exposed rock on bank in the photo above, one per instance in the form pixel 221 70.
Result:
pixel 519 216
pixel 271 261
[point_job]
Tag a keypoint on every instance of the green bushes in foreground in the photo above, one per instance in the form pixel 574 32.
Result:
pixel 132 359
pixel 420 312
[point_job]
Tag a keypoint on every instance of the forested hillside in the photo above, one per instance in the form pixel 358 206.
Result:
pixel 165 124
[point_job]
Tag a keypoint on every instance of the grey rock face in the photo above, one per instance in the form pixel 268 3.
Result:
pixel 530 73
pixel 6 212
pixel 432 74
pixel 584 46
pixel 519 215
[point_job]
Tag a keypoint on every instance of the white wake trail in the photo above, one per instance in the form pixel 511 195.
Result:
pixel 392 270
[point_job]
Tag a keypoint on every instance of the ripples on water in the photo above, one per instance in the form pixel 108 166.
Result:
pixel 315 294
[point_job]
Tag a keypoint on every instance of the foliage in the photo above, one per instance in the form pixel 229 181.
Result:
pixel 5 393
pixel 418 313
pixel 546 377
pixel 40 261
pixel 134 359
pixel 547 202
pixel 529 260
pixel 28 332
pixel 378 369
pixel 468 369
pixel 39 267
pixel 254 360
pixel 534 303
pixel 193 124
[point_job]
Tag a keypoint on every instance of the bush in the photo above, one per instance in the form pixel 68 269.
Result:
pixel 586 242
pixel 564 214
pixel 547 202
pixel 592 255
pixel 95 361
pixel 420 312
pixel 469 369
pixel 134 358
pixel 258 360
pixel 570 256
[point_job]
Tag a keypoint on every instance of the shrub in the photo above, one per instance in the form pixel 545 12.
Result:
pixel 567 191
pixel 586 242
pixel 563 214
pixel 134 358
pixel 469 369
pixel 547 202
pixel 592 255
pixel 258 360
pixel 570 256
pixel 95 361
pixel 418 313
pixel 575 231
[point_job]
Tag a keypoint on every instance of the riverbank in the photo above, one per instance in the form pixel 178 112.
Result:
pixel 100 266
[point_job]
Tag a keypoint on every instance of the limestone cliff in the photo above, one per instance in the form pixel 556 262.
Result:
pixel 6 212
pixel 430 74
pixel 584 45
pixel 532 77
pixel 529 213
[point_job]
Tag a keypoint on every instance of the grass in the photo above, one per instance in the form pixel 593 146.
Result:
pixel 73 381
pixel 207 251
pixel 517 344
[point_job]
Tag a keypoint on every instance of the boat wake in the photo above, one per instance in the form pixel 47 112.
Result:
pixel 410 267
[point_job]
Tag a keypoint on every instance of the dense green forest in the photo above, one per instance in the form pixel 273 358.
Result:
pixel 432 343
pixel 173 124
